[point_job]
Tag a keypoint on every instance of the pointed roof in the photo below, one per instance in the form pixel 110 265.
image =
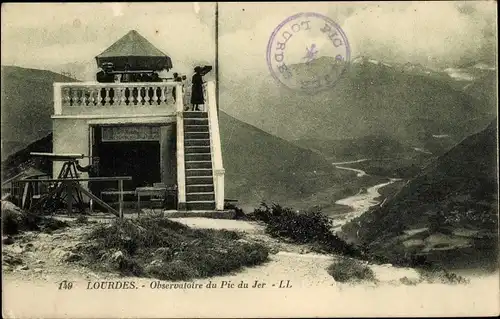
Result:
pixel 133 45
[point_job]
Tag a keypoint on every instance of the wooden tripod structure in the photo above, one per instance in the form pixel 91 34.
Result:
pixel 69 190
pixel 63 191
pixel 67 185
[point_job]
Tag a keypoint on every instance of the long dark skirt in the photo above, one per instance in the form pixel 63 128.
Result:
pixel 197 95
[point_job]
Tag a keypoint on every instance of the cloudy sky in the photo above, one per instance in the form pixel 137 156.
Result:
pixel 59 36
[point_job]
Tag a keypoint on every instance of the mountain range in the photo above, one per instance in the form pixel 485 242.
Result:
pixel 369 99
pixel 375 110
pixel 466 72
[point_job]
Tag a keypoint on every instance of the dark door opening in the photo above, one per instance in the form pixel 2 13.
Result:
pixel 139 159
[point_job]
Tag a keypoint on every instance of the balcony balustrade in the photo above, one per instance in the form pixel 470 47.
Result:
pixel 120 98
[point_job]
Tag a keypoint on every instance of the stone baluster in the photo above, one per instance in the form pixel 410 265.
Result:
pixel 66 98
pixel 74 101
pixel 154 98
pixel 143 95
pixel 85 96
pixel 98 99
pixel 107 98
pixel 163 95
pixel 92 97
pixel 148 96
pixel 118 96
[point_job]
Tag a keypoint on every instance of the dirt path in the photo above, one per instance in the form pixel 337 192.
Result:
pixel 31 288
pixel 42 256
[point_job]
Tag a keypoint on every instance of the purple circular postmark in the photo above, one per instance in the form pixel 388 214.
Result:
pixel 308 52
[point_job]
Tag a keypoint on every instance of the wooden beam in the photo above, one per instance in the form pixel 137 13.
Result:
pixel 25 195
pixel 98 200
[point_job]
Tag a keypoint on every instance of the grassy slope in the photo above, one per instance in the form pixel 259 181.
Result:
pixel 167 250
pixel 371 146
pixel 484 90
pixel 260 166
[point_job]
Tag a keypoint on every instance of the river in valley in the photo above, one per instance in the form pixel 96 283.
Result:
pixel 362 201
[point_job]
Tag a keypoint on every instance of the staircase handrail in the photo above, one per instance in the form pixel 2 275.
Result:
pixel 215 144
pixel 181 171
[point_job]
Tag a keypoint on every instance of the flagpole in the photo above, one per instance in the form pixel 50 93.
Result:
pixel 217 55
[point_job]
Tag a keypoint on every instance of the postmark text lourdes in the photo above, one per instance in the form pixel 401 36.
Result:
pixel 308 52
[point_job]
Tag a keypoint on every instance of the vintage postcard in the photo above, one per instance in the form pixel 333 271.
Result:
pixel 189 160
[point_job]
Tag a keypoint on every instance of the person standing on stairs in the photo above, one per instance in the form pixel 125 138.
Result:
pixel 197 89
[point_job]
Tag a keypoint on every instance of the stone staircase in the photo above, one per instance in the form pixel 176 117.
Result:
pixel 200 193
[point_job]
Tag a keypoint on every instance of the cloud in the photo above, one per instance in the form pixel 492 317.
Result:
pixel 437 33
pixel 78 32
pixel 242 50
pixel 431 33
